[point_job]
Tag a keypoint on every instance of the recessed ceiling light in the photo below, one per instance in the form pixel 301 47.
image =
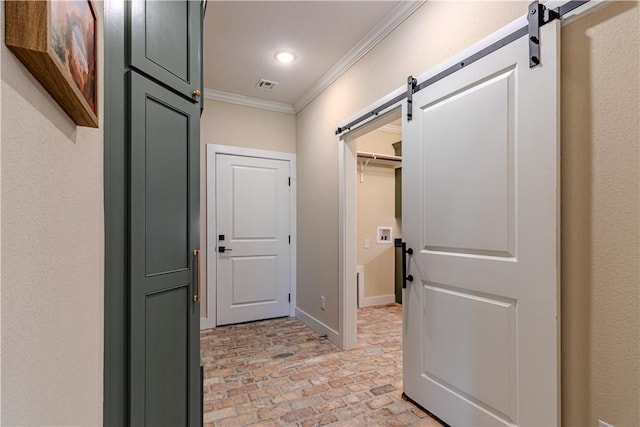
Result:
pixel 285 57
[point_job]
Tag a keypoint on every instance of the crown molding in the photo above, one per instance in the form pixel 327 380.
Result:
pixel 233 98
pixel 394 18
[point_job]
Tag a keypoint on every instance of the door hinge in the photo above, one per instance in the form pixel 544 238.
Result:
pixel 289 297
pixel 289 181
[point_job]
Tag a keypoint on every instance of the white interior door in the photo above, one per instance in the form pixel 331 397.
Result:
pixel 253 226
pixel 480 194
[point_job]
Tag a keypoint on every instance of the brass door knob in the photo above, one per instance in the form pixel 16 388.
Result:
pixel 196 93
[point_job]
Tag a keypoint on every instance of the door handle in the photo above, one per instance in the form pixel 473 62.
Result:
pixel 405 251
pixel 223 249
pixel 196 253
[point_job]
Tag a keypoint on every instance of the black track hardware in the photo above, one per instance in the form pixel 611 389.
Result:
pixel 537 15
pixel 411 86
pixel 534 17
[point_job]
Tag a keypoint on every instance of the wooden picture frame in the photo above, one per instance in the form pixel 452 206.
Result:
pixel 56 41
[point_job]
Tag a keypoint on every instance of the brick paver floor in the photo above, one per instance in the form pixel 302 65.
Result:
pixel 281 373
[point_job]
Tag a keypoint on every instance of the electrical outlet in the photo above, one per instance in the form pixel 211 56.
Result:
pixel 323 303
pixel 603 424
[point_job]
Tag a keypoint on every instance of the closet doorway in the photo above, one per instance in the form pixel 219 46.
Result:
pixel 351 250
pixel 376 218
pixel 378 214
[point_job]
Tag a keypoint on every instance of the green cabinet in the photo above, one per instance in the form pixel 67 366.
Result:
pixel 153 55
pixel 398 214
pixel 398 181
pixel 166 43
pixel 203 11
pixel 164 221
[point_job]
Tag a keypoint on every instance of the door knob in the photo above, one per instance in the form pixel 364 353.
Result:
pixel 196 93
pixel 223 249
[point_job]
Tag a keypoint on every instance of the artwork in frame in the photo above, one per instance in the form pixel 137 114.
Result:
pixel 56 41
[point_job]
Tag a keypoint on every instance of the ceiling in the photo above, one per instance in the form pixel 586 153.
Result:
pixel 242 37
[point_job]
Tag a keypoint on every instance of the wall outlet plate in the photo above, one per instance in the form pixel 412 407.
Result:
pixel 385 235
pixel 323 303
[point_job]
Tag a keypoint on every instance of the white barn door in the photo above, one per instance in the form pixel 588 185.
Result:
pixel 481 212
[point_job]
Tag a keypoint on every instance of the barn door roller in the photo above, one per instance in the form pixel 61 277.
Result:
pixel 538 15
pixel 411 87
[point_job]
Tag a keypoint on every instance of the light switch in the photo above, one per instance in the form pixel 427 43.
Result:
pixel 367 243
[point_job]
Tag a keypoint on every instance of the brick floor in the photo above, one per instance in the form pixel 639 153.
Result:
pixel 280 373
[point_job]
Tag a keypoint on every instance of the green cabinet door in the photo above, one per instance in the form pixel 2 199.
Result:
pixel 166 43
pixel 164 232
pixel 397 147
pixel 203 11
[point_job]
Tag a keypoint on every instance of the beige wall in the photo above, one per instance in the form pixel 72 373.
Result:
pixel 376 207
pixel 436 30
pixel 230 124
pixel 600 217
pixel 379 141
pixel 2 32
pixel 239 126
pixel 600 259
pixel 52 256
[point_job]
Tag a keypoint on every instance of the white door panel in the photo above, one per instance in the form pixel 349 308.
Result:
pixel 254 279
pixel 471 175
pixel 480 195
pixel 471 345
pixel 253 225
pixel 262 199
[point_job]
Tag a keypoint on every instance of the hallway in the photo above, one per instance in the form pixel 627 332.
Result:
pixel 279 372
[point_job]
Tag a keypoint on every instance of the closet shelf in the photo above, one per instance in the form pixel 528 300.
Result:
pixel 380 159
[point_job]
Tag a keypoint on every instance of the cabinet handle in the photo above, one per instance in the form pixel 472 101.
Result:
pixel 196 253
pixel 196 93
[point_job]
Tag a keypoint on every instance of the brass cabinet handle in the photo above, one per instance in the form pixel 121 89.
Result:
pixel 196 93
pixel 196 253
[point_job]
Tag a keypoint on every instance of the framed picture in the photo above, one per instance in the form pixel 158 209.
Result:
pixel 56 41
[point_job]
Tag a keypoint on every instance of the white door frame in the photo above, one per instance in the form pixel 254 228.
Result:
pixel 209 321
pixel 347 206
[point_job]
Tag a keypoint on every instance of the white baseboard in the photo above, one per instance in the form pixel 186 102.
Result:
pixel 379 300
pixel 318 326
pixel 360 273
pixel 207 323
